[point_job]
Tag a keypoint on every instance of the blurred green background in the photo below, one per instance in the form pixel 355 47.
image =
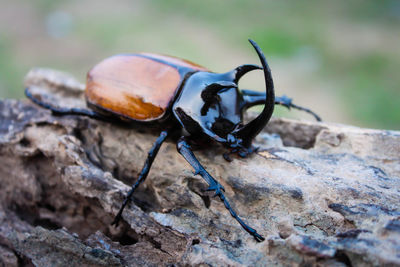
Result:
pixel 340 58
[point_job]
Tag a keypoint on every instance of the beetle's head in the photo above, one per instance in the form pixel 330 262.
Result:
pixel 212 104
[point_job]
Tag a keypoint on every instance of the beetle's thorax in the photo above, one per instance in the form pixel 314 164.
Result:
pixel 211 104
pixel 203 109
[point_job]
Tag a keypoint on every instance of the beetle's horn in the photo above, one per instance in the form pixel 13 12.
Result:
pixel 250 130
pixel 242 70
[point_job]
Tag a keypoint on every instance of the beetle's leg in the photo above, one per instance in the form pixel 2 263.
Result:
pixel 252 98
pixel 143 174
pixel 65 111
pixel 287 102
pixel 185 150
pixel 236 147
pixel 242 152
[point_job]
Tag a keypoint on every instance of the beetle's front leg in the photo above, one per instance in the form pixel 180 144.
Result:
pixel 185 150
pixel 143 174
pixel 241 152
pixel 236 147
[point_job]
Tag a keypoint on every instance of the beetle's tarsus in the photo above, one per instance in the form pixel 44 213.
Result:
pixel 248 229
pixel 227 157
pixel 185 150
pixel 318 118
pixel 143 174
pixel 217 188
pixel 116 220
pixel 284 101
pixel 258 237
pixel 242 152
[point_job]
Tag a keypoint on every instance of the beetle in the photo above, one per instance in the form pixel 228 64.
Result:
pixel 184 99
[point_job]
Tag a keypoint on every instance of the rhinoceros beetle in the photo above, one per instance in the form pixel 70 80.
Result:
pixel 181 97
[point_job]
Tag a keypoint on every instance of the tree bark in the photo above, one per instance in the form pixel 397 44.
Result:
pixel 321 193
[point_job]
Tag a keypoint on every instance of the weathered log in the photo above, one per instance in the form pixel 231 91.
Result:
pixel 321 193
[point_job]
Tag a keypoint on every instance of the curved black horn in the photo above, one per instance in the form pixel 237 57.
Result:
pixel 250 130
pixel 242 70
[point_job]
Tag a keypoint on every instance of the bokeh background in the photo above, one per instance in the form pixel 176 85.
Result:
pixel 341 58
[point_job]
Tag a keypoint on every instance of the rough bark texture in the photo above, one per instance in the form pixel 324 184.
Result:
pixel 321 194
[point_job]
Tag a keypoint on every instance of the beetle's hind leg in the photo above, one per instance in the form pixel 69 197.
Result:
pixel 65 111
pixel 143 174
pixel 184 149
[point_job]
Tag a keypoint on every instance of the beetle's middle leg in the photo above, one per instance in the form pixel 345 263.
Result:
pixel 185 150
pixel 253 98
pixel 287 102
pixel 143 174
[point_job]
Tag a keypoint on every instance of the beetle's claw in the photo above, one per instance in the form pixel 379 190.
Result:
pixel 258 237
pixel 116 220
pixel 243 153
pixel 227 157
pixel 254 233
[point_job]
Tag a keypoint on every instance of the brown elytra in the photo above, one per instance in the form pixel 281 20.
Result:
pixel 137 86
